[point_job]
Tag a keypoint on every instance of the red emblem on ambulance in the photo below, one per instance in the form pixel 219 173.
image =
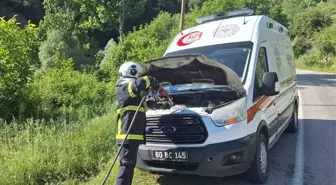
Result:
pixel 189 38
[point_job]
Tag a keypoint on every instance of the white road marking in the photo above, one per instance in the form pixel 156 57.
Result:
pixel 299 157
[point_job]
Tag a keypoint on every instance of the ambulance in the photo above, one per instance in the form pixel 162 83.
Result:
pixel 233 84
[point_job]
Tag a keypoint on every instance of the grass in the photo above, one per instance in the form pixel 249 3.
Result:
pixel 318 67
pixel 331 69
pixel 36 153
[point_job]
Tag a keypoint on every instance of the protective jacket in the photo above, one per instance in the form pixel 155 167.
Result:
pixel 128 99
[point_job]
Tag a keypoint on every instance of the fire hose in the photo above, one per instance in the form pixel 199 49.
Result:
pixel 123 143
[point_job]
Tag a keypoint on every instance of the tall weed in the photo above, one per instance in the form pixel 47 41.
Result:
pixel 39 153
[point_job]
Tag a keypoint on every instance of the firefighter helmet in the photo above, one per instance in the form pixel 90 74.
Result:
pixel 130 70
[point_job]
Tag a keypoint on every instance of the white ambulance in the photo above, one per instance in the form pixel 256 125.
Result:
pixel 232 80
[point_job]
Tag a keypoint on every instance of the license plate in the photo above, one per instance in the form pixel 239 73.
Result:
pixel 170 156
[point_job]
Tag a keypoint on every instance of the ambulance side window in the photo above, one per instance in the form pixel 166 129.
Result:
pixel 261 68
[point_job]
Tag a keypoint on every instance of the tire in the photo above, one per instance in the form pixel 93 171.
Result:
pixel 257 174
pixel 294 124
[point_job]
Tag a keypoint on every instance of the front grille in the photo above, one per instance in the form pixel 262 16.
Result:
pixel 177 129
pixel 172 165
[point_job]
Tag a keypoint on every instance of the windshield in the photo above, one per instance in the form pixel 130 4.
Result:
pixel 233 55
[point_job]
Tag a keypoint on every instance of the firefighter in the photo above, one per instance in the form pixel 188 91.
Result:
pixel 130 90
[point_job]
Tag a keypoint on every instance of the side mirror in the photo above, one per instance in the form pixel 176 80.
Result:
pixel 270 86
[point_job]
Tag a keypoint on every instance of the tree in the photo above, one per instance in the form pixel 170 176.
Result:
pixel 18 60
pixel 103 56
pixel 85 19
pixel 150 41
pixel 310 21
pixel 67 45
pixel 293 7
pixel 88 15
pixel 272 8
pixel 152 9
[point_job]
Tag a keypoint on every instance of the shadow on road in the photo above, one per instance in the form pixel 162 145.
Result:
pixel 319 151
pixel 317 79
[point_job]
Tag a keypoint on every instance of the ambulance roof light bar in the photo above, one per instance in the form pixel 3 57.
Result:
pixel 224 15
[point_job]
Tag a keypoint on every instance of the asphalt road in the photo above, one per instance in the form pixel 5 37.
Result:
pixel 305 158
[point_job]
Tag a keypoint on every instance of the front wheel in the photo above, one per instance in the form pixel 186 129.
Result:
pixel 258 172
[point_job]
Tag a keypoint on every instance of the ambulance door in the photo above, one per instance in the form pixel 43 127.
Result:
pixel 265 103
pixel 287 80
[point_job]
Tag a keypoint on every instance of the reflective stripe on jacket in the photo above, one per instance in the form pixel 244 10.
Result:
pixel 128 99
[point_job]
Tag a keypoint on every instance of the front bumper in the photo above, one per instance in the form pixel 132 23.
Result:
pixel 211 160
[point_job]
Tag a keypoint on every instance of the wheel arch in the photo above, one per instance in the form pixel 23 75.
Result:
pixel 262 128
pixel 296 102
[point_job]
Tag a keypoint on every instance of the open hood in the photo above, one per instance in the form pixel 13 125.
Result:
pixel 187 69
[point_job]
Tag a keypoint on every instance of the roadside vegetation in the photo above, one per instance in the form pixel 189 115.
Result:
pixel 57 76
pixel 314 39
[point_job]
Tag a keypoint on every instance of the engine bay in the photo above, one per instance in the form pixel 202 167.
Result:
pixel 192 81
pixel 207 96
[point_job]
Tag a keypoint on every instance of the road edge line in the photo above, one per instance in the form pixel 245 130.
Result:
pixel 299 153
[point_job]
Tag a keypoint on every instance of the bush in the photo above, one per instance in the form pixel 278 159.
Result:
pixel 62 93
pixel 18 60
pixel 301 46
pixel 315 59
pixel 325 40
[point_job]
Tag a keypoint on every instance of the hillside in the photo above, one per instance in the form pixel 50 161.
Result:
pixel 58 74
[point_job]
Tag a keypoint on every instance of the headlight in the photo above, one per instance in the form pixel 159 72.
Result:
pixel 230 114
